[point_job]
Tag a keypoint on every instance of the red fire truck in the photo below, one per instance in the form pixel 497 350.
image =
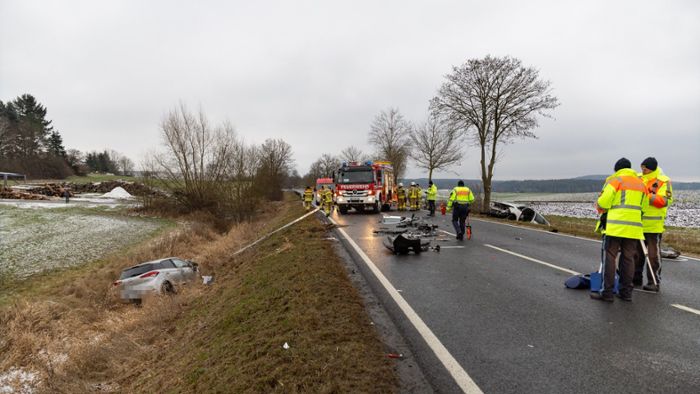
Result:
pixel 368 185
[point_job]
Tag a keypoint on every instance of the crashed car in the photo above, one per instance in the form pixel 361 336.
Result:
pixel 521 213
pixel 154 277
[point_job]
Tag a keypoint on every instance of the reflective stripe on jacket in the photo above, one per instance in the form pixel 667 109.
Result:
pixel 328 195
pixel 660 198
pixel 308 195
pixel 461 195
pixel 431 193
pixel 624 198
pixel 401 193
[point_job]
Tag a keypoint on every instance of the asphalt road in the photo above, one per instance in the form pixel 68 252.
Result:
pixel 511 325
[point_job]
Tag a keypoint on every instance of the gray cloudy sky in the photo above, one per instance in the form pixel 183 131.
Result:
pixel 316 72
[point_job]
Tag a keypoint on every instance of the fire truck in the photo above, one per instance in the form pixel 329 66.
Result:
pixel 368 185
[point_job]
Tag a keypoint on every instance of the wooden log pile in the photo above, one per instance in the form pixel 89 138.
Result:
pixel 46 190
pixel 20 195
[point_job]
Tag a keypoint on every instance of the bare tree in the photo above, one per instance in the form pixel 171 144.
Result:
pixel 436 145
pixel 275 164
pixel 495 100
pixel 389 133
pixel 352 153
pixel 197 158
pixel 126 166
pixel 323 167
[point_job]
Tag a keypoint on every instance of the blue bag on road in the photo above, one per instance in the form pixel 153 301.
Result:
pixel 578 282
pixel 597 282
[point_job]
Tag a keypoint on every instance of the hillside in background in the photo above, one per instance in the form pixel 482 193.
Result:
pixel 583 184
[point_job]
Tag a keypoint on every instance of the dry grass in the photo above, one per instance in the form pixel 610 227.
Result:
pixel 75 335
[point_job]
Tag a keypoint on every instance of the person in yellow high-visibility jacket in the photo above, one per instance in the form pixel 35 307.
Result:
pixel 419 197
pixel 308 197
pixel 660 194
pixel 327 200
pixel 431 197
pixel 460 198
pixel 622 201
pixel 413 196
pixel 401 197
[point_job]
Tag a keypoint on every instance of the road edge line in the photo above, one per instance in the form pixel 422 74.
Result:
pixel 461 377
pixel 685 308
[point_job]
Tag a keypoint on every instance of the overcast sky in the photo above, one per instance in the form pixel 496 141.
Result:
pixel 315 73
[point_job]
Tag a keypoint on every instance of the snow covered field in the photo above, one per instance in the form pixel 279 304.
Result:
pixel 36 240
pixel 685 211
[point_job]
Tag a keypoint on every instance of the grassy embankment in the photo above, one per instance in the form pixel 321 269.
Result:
pixel 228 337
pixel 686 240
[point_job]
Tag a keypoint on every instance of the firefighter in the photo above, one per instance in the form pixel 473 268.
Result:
pixel 412 196
pixel 401 196
pixel 419 197
pixel 327 198
pixel 460 198
pixel 431 196
pixel 308 197
pixel 622 201
pixel 659 190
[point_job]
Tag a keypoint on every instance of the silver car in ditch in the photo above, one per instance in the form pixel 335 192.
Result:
pixel 153 277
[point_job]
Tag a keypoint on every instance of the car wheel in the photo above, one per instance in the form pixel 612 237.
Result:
pixel 167 288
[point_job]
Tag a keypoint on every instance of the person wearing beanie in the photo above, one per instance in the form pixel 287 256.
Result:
pixel 622 163
pixel 621 202
pixel 660 194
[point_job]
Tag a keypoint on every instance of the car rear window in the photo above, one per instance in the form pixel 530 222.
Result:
pixel 165 264
pixel 135 271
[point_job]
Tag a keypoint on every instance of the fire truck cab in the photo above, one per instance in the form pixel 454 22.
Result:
pixel 368 185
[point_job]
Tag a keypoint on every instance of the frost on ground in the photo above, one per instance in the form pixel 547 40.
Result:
pixel 685 211
pixel 17 381
pixel 36 240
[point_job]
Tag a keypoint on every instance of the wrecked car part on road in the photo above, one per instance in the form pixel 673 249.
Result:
pixel 407 234
pixel 405 243
pixel 668 252
pixel 402 224
pixel 521 213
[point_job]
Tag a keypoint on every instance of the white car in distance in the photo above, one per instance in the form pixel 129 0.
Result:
pixel 153 277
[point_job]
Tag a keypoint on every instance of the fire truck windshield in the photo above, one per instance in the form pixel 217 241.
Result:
pixel 363 175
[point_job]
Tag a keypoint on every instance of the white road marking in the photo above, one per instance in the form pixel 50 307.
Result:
pixel 685 308
pixel 534 260
pixel 538 230
pixel 559 234
pixel 461 377
pixel 451 247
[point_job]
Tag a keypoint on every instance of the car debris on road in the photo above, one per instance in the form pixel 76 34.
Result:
pixel 521 213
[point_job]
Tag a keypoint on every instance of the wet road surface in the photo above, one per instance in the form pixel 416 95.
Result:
pixel 498 305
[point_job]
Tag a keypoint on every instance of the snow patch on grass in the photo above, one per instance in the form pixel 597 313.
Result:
pixel 17 380
pixel 684 212
pixel 37 240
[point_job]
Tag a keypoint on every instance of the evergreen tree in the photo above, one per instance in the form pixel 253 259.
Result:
pixel 55 144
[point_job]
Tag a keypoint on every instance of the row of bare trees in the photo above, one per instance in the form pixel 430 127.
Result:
pixel 208 167
pixel 485 102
